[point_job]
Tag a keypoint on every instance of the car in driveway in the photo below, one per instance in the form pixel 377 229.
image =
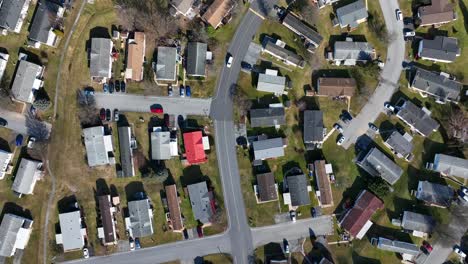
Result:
pixel 340 141
pixel 459 251
pixel 116 115
pixel 338 127
pixel 19 140
pixel 156 109
pixel 131 243
pixel 373 127
pixel 85 253
pixel 286 246
pixel 200 231
pixel 182 91
pixel 292 215
pixel 169 90
pixel 346 117
pixel 111 86
pixel 188 91
pixel 105 88
pixel 389 107
pixel 246 66
pixel 102 114
pixel 399 15
pixel 117 85
pixel 137 243
pixel 108 115
pixel 3 122
pixel 122 86
pixel 427 247
pixel 229 60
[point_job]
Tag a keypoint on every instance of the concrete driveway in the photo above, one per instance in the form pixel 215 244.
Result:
pixel 24 125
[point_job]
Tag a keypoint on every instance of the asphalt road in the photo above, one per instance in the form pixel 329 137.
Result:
pixel 19 123
pixel 140 103
pixel 389 76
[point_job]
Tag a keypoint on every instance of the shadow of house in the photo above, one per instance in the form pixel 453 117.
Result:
pixel 387 232
pixel 67 204
pixel 361 259
pixel 12 208
pixel 99 32
pixel 273 251
pixel 132 189
pixel 350 194
pixel 32 57
pixel 102 188
pixel 192 175
pixel 4 145
pixel 291 168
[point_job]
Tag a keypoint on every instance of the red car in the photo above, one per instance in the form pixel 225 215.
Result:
pixel 156 109
pixel 102 114
pixel 427 246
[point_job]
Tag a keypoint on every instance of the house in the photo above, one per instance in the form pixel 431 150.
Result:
pixel 12 15
pixel 161 145
pixel 439 49
pixel 350 52
pixel 196 59
pixel 378 164
pixel 297 190
pixel 27 174
pixel 323 3
pixel 99 150
pixel 267 117
pixel 174 216
pixel 100 56
pixel 333 86
pixel 357 220
pixel 314 129
pixel 450 166
pixel 270 82
pixel 268 148
pixel 440 86
pixel 302 29
pixel 14 234
pixel 434 194
pixel 202 201
pixel 400 145
pixel 106 228
pixel 136 48
pixel 408 251
pixel 218 10
pixel 352 15
pixel 139 221
pixel 126 151
pixel 166 65
pixel 184 8
pixel 5 159
pixel 276 48
pixel 322 179
pixel 72 231
pixel 28 80
pixel 418 119
pixel 439 12
pixel 266 188
pixel 194 150
pixel 45 23
pixel 420 225
pixel 3 63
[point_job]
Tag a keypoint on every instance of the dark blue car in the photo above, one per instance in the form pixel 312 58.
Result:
pixel 19 140
pixel 188 91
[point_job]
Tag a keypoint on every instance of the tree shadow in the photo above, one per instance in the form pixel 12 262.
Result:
pixel 12 208
pixel 464 11
pixel 133 190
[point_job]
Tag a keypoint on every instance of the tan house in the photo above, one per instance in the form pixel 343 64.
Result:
pixel 437 13
pixel 217 11
pixel 135 57
pixel 174 216
pixel 336 86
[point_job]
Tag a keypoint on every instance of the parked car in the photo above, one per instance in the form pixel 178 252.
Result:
pixel 137 243
pixel 131 242
pixel 122 86
pixel 286 246
pixel 108 115
pixel 188 91
pixel 116 115
pixel 166 120
pixel 389 107
pixel 3 122
pixel 399 15
pixel 340 141
pixel 31 142
pixel 463 193
pixel 409 33
pixel 169 90
pixel 459 252
pixel 200 231
pixel 246 66
pixel 102 114
pixel 292 215
pixel 105 87
pixel 85 253
pixel 338 127
pixel 427 247
pixel 19 140
pixel 374 127
pixel 313 212
pixel 182 91
pixel 117 85
pixel 229 60
pixel 156 109
pixel 111 87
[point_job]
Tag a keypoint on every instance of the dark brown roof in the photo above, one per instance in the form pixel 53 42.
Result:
pixel 174 208
pixel 105 206
pixel 440 11
pixel 266 187
pixel 323 183
pixel 336 86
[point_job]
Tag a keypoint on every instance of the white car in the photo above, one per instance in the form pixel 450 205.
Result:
pixel 292 214
pixel 399 15
pixel 85 253
pixel 390 107
pixel 132 244
pixel 409 34
pixel 459 252
pixel 229 61
pixel 340 140
pixel 338 127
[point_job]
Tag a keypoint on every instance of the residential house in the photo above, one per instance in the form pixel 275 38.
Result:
pixel 28 80
pixel 161 145
pixel 377 164
pixel 296 190
pixel 184 8
pixel 202 201
pixel 357 220
pixel 72 231
pixel 99 150
pixel 434 194
pixel 276 48
pixel 139 221
pixel 450 166
pixel 27 174
pixel 166 65
pixel 302 29
pixel 408 251
pixel 106 227
pixel 174 216
pixel 439 12
pixel 218 10
pixel 314 129
pixel 332 86
pixel 322 179
pixel 194 149
pixel 100 56
pixel 267 117
pixel 12 15
pixel 3 63
pixel 437 85
pixel 268 148
pixel 350 52
pixel 5 159
pixel 420 225
pixel 266 189
pixel 352 15
pixel 44 24
pixel 14 234
pixel 418 119
pixel 270 82
pixel 439 49
pixel 196 59
pixel 136 48
pixel 126 151
pixel 400 145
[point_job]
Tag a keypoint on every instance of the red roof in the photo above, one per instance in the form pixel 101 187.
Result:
pixel 193 142
pixel 363 209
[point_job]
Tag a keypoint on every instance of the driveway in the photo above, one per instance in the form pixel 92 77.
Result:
pixel 24 125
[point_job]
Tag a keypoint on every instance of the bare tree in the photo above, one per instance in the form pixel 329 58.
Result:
pixel 87 111
pixel 37 128
pixel 240 99
pixel 457 124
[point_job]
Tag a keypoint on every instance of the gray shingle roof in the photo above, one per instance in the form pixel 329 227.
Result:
pixel 417 118
pixel 351 13
pixel 284 53
pixel 378 164
pixel 126 152
pixel 196 58
pixel 100 56
pixel 297 185
pixel 45 16
pixel 434 193
pixel 70 226
pixel 449 165
pixel 10 11
pixel 166 63
pixel 95 146
pixel 9 228
pixel 267 117
pixel 302 29
pixel 313 126
pixel 437 85
pixel 271 83
pixel 440 48
pixel 398 246
pixel 350 50
pixel 182 5
pixel 400 144
pixel 26 176
pixel 24 80
pixel 417 222
pixel 200 199
pixel 268 148
pixel 141 221
pixel 160 145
